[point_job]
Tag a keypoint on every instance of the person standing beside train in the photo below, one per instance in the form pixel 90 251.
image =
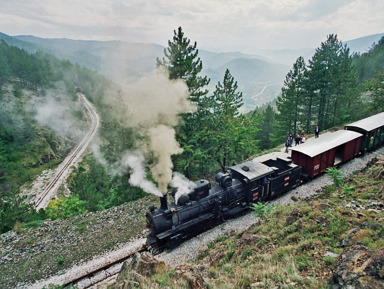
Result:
pixel 302 137
pixel 290 139
pixel 297 140
pixel 287 144
pixel 317 130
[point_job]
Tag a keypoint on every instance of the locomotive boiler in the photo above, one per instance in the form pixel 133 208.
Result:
pixel 206 206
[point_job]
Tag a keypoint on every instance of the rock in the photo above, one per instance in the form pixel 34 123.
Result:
pixel 214 259
pixel 358 268
pixel 294 198
pixel 137 269
pixel 295 214
pixel 330 254
pixel 192 275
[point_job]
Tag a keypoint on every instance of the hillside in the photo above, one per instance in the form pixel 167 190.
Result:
pixel 41 120
pixel 332 241
pixel 294 246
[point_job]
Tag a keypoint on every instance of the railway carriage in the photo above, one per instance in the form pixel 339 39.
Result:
pixel 372 129
pixel 330 149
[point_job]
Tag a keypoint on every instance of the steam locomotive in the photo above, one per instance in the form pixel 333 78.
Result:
pixel 207 206
pixel 256 181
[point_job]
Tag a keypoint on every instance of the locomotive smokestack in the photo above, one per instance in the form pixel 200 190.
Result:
pixel 163 203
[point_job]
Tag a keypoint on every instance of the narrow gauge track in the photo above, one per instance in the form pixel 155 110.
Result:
pixel 108 271
pixel 101 268
pixel 43 199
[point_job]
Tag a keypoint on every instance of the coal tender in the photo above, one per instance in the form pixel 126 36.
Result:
pixel 207 206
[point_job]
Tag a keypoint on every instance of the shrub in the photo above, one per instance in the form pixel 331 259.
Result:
pixel 65 207
pixel 60 260
pixel 335 175
pixel 262 209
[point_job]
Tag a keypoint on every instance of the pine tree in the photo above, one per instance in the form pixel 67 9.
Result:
pixel 230 136
pixel 294 109
pixel 182 61
pixel 331 79
pixel 266 134
pixel 375 88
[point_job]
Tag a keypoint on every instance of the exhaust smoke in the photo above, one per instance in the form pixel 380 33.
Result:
pixel 153 105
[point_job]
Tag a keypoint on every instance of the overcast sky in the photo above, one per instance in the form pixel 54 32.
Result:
pixel 217 25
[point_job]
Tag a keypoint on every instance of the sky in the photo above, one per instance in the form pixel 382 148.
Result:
pixel 216 25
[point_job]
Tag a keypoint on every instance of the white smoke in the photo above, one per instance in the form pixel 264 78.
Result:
pixel 182 184
pixel 56 111
pixel 135 161
pixel 153 105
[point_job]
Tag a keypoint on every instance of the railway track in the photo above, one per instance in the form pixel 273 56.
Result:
pixel 105 272
pixel 100 269
pixel 43 199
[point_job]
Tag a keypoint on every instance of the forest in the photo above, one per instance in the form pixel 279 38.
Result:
pixel 330 89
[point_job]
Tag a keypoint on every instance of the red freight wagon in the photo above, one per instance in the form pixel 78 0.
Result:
pixel 326 151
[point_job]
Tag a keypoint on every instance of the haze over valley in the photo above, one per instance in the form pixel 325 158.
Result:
pixel 260 75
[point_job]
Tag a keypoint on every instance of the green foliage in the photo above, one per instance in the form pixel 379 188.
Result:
pixel 262 209
pixel 231 136
pixel 60 261
pixel 348 190
pixel 98 189
pixel 370 62
pixel 324 93
pixel 182 61
pixel 291 104
pixel 267 134
pixel 229 255
pixel 335 174
pixel 65 207
pixel 375 88
pixel 13 210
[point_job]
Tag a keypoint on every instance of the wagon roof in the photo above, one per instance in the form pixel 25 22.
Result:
pixel 369 123
pixel 326 142
pixel 252 169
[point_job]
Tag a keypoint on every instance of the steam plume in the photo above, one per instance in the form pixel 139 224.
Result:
pixel 153 105
pixel 183 185
pixel 136 162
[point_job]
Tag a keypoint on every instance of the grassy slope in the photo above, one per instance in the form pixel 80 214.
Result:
pixel 295 246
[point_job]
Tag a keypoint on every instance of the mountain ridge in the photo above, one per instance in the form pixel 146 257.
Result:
pixel 122 61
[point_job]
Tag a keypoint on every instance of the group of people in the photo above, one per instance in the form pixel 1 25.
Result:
pixel 299 139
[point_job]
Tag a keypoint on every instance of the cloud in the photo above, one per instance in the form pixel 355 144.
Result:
pixel 218 25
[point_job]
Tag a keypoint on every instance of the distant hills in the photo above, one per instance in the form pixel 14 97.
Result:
pixel 259 76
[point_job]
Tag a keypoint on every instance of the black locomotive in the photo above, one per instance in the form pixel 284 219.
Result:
pixel 207 206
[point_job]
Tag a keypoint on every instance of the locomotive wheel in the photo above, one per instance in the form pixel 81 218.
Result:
pixel 155 251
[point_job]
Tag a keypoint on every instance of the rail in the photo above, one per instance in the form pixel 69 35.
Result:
pixel 42 200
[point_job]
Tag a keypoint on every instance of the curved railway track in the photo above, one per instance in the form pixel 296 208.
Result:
pixel 42 200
